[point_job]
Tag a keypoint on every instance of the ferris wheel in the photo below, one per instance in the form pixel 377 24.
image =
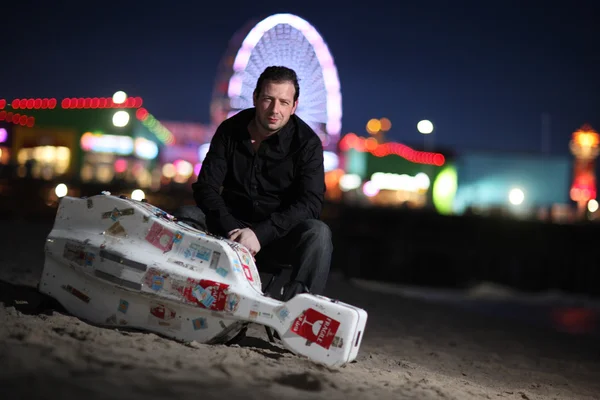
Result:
pixel 285 40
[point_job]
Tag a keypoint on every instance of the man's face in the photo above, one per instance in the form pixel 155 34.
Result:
pixel 275 104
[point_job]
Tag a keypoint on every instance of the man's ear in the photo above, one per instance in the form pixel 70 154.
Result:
pixel 295 106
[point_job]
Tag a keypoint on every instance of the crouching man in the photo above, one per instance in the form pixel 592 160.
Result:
pixel 262 185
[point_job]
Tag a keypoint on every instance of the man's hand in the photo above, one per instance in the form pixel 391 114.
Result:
pixel 247 238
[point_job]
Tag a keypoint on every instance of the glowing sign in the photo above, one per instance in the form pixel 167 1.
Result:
pixel 100 143
pixel 3 135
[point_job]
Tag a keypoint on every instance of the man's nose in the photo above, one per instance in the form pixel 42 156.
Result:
pixel 275 106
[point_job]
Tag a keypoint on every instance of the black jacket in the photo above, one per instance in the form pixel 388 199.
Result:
pixel 270 190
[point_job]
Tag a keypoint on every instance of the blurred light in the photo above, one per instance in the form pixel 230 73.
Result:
pixel 197 169
pixel 350 182
pixel 202 151
pixel 370 189
pixel 120 166
pixel 352 141
pixel 141 114
pixel 516 196
pixel 592 205
pixel 61 190
pixel 373 126
pixel 138 195
pixel 425 127
pixel 99 143
pixel 444 190
pixel 2 103
pixel 169 170
pixel 144 148
pixel 405 182
pixel 386 124
pixel 330 161
pixel 184 168
pixel 120 119
pixel 3 135
pixel 119 97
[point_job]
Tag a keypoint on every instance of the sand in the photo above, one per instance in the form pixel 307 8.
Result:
pixel 412 349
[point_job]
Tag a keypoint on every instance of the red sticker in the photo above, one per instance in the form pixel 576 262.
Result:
pixel 247 272
pixel 160 237
pixel 316 327
pixel 162 312
pixel 205 293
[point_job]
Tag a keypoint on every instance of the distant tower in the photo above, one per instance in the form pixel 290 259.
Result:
pixel 584 147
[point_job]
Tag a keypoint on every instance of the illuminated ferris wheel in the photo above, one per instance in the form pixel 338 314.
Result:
pixel 285 40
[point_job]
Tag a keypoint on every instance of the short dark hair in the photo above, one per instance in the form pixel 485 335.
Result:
pixel 277 74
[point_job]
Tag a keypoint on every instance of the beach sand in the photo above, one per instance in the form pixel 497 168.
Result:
pixel 412 349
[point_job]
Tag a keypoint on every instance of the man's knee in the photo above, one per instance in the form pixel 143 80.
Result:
pixel 317 231
pixel 191 213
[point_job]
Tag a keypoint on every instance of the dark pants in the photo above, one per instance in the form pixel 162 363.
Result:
pixel 307 248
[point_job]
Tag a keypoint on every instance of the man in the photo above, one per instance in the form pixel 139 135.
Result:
pixel 262 184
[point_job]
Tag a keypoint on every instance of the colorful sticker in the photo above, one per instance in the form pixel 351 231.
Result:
pixel 160 237
pixel 123 306
pixel 237 267
pixel 157 282
pixel 215 260
pixel 316 327
pixel 337 342
pixel 222 271
pixel 195 251
pixel 80 295
pixel 116 229
pixel 178 237
pixel 282 313
pixel 74 251
pixel 206 293
pixel 231 305
pixel 155 279
pixel 253 314
pixel 199 323
pixel 163 316
pixel 247 272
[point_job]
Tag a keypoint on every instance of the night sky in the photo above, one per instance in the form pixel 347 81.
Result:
pixel 483 71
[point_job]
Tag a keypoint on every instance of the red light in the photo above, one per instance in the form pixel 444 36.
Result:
pixel 87 102
pixel 23 120
pixel 2 115
pixel 30 103
pixel 141 114
pixel 351 141
pixel 2 103
pixel 80 103
pixel 130 102
pixel 138 102
pixel 9 116
pixel 102 102
pixel 30 122
pixel 15 118
pixel 120 166
pixel 15 104
pixel 52 103
pixel 37 103
pixel 65 103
